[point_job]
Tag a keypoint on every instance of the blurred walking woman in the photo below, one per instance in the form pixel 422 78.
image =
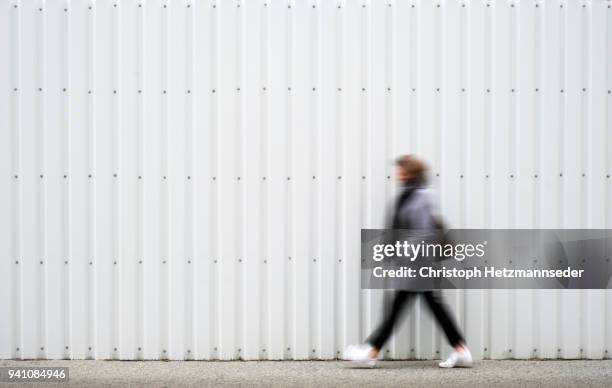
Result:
pixel 413 211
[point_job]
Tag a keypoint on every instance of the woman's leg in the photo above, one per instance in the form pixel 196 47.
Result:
pixel 380 336
pixel 438 308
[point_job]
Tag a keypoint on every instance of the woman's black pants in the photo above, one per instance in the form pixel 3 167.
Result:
pixel 400 301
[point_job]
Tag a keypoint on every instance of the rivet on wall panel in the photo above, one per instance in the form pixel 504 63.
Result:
pixel 89 7
pixel 63 89
pixel 41 176
pixel 91 263
pixel 115 5
pixel 16 176
pixel 66 262
pixel 314 177
pixel 213 90
pixel 15 89
pixel 537 90
pixel 363 177
pixel 263 178
pixel 561 175
pixel 339 89
pixel 188 261
pixel 89 176
pixel 40 89
pixel 163 261
pixel 288 178
pixel 562 90
pixel 238 178
pixel 189 91
pixel 66 347
pixel 289 88
pixel 289 6
pixel 240 260
pixel 16 261
pixel 40 9
pixel 535 176
pixel 89 92
pixel 215 261
pixel 164 177
pixel 65 176
pixel 164 92
pixel 139 176
pixel 139 91
pixel 584 89
pixel 363 89
pixel 214 178
pixel 139 5
pixel 139 261
pixel 41 262
pixel 114 263
pixel 114 175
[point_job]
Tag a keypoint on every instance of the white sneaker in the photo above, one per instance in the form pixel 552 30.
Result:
pixel 458 359
pixel 360 354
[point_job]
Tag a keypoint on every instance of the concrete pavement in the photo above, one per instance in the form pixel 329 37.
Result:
pixel 319 374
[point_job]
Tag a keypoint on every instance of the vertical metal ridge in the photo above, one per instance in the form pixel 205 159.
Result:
pixel 164 277
pixel 242 180
pixel 190 259
pixel 265 172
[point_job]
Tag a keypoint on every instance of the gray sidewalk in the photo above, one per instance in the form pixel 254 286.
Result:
pixel 327 373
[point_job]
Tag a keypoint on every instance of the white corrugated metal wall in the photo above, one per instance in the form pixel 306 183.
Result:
pixel 188 179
